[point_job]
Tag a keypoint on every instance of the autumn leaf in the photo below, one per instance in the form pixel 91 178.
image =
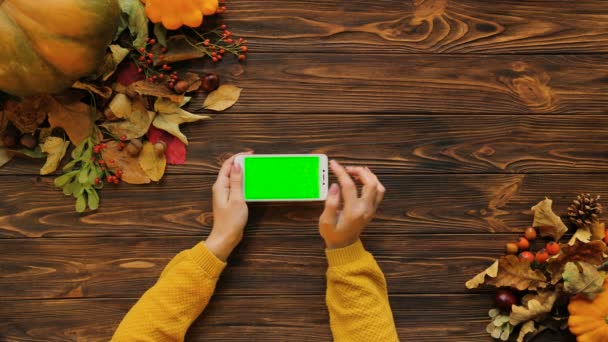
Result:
pixel 111 61
pixel 28 113
pixel 582 234
pixel 480 278
pixel 75 118
pixel 581 277
pixel 132 172
pixel 170 116
pixel 534 307
pixel 179 49
pixel 55 147
pixel 151 162
pixel 136 121
pixel 126 74
pixel 176 149
pixel 527 328
pixel 592 253
pixel 134 18
pixel 156 90
pixel 191 80
pixel 546 221
pixel 222 98
pixel 598 230
pixel 103 91
pixel 518 274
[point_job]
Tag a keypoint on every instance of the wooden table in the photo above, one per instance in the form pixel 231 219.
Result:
pixel 471 111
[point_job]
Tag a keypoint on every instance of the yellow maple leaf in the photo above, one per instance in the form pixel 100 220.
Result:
pixel 170 116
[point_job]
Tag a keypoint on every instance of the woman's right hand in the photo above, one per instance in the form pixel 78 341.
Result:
pixel 341 228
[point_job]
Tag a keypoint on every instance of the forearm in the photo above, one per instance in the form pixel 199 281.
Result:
pixel 183 290
pixel 357 297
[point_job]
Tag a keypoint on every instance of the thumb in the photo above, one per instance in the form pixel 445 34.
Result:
pixel 329 218
pixel 236 183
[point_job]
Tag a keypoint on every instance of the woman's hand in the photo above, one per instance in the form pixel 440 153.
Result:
pixel 229 210
pixel 343 228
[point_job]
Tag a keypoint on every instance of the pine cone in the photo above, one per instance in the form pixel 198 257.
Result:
pixel 584 210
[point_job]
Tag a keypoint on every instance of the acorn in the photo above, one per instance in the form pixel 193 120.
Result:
pixel 160 147
pixel 210 82
pixel 134 147
pixel 28 141
pixel 181 87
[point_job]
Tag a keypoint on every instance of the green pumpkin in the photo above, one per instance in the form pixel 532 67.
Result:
pixel 47 45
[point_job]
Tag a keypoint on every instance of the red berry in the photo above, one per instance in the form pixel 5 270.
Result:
pixel 229 40
pixel 123 137
pixel 542 256
pixel 121 145
pixel 222 51
pixel 523 243
pixel 511 248
pixel 97 180
pixel 141 49
pixel 214 59
pixel 530 233
pixel 163 50
pixel 553 248
pixel 140 70
pixel 214 54
pixel 244 48
pixel 206 43
pixel 223 27
pixel 111 161
pixel 102 162
pixel 104 145
pixel 142 58
pixel 219 57
pixel 152 41
pixel 150 55
pixel 149 61
pixel 242 57
pixel 526 256
pixel 505 299
pixel 116 180
pixel 103 168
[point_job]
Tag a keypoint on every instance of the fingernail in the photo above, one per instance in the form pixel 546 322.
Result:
pixel 333 189
pixel 237 168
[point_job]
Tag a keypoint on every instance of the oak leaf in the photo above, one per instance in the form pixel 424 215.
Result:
pixel 135 123
pixel 222 98
pixel 518 274
pixel 480 278
pixel 548 223
pixel 527 328
pixel 581 277
pixel 132 172
pixel 28 113
pixel 534 307
pixel 592 253
pixel 75 118
pixel 152 162
pixel 55 147
pixel 170 116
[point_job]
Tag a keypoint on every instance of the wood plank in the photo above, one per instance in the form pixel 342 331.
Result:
pixel 277 318
pixel 126 267
pixel 337 83
pixel 431 26
pixel 180 205
pixel 400 143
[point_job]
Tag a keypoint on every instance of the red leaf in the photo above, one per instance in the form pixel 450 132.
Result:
pixel 127 73
pixel 176 150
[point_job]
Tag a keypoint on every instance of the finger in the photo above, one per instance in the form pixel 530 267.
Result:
pixel 236 183
pixel 329 217
pixel 369 181
pixel 222 184
pixel 349 190
pixel 380 193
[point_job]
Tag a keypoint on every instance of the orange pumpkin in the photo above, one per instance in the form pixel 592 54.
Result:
pixel 589 318
pixel 47 45
pixel 175 13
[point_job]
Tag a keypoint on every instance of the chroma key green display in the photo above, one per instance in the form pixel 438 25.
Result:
pixel 281 177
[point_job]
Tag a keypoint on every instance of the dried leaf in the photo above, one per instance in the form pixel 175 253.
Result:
pixel 193 80
pixel 546 221
pixel 160 32
pixel 535 308
pixel 136 124
pixel 592 253
pixel 55 147
pixel 5 156
pixel 134 18
pixel 170 116
pixel 75 119
pixel 176 149
pixel 598 230
pixel 157 90
pixel 126 74
pixel 222 98
pixel 151 162
pixel 582 234
pixel 480 278
pixel 581 277
pixel 111 61
pixel 28 113
pixel 179 49
pixel 121 106
pixel 518 274
pixel 103 91
pixel 526 328
pixel 132 172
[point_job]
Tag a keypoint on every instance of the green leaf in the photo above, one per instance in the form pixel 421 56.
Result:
pixel 69 188
pixel 36 152
pixel 62 180
pixel 83 177
pixel 161 34
pixel 81 203
pixel 137 22
pixel 93 199
pixel 582 277
pixel 69 166
pixel 77 152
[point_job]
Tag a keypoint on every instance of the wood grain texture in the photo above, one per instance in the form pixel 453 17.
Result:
pixel 180 205
pixel 467 84
pixel 400 143
pixel 254 318
pixel 422 26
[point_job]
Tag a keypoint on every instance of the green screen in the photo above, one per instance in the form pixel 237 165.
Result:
pixel 281 178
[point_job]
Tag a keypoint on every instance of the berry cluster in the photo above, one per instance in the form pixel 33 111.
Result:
pixel 219 41
pixel 144 59
pixel 523 245
pixel 109 169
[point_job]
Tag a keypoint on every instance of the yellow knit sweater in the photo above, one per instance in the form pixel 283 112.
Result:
pixel 356 298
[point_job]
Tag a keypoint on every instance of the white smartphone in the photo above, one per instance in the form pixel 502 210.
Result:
pixel 284 177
